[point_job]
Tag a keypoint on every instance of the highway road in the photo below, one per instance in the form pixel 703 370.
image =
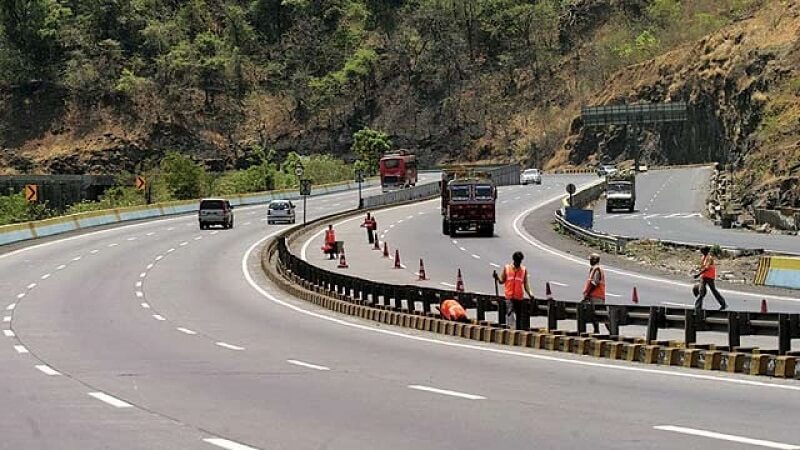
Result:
pixel 157 335
pixel 669 206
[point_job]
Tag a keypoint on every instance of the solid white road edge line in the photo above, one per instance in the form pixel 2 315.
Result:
pixel 446 392
pixel 308 365
pixel 228 445
pixel 113 401
pixel 47 370
pixel 727 437
pixel 644 370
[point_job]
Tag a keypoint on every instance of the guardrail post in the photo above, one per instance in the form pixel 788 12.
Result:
pixel 526 315
pixel 614 312
pixel 481 309
pixel 784 334
pixel 690 326
pixel 501 312
pixel 581 311
pixel 652 324
pixel 552 315
pixel 734 330
pixel 398 302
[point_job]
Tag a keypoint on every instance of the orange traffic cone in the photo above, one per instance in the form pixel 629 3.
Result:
pixel 548 292
pixel 422 276
pixel 377 245
pixel 459 282
pixel 764 306
pixel 635 296
pixel 397 259
pixel 385 249
pixel 342 261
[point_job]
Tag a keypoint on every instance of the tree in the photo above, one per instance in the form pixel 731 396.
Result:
pixel 185 178
pixel 369 145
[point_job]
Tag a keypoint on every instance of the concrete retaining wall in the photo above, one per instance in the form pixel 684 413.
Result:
pixel 780 271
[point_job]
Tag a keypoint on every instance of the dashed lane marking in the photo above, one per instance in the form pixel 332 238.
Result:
pixel 20 349
pixel 143 274
pixel 307 365
pixel 6 318
pixel 77 258
pixel 448 284
pixel 94 252
pixel 495 265
pixel 187 331
pixel 230 346
pixel 228 445
pixel 112 245
pixel 9 333
pixel 159 257
pixel 558 284
pixel 11 307
pixel 45 276
pixel 150 233
pixel 159 317
pixel 139 294
pixel 613 295
pixel 113 401
pixel 726 437
pixel 446 392
pixel 682 305
pixel 138 284
pixel 47 370
pixel 149 266
pixel 184 243
pixel 20 295
pixel 170 250
pixel 145 305
pixel 132 238
pixel 476 256
pixel 462 249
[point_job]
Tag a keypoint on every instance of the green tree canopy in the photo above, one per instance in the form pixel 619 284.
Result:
pixel 369 145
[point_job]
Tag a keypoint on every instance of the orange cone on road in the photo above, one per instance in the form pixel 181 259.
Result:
pixel 397 259
pixel 459 282
pixel 635 296
pixel 377 245
pixel 385 249
pixel 547 291
pixel 342 261
pixel 764 306
pixel 422 276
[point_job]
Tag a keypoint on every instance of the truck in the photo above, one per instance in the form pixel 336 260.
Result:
pixel 468 203
pixel 398 170
pixel 621 191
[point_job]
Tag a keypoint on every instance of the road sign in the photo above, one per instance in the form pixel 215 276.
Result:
pixel 305 187
pixel 140 183
pixel 32 193
pixel 299 171
pixel 359 176
pixel 570 189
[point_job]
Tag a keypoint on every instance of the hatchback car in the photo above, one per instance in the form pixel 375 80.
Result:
pixel 531 176
pixel 280 211
pixel 215 211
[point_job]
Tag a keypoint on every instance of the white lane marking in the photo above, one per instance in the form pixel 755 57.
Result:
pixel 228 445
pixel 455 242
pixel 47 370
pixel 446 392
pixel 504 201
pixel 657 228
pixel 201 237
pixel 187 331
pixel 214 232
pixel 45 276
pixel 170 250
pixel 139 294
pixel 150 233
pixel 133 238
pixel 184 243
pixel 495 265
pixel 11 307
pixel 462 249
pixel 7 319
pixel 558 284
pixel 20 349
pixel 145 305
pixel 612 295
pixel 113 401
pixel 410 217
pixel 229 346
pixel 77 258
pixel 391 226
pixel 642 370
pixel 171 229
pixel 308 365
pixel 149 266
pixel 635 216
pixel 650 216
pixel 672 215
pixel 516 198
pixel 248 223
pixel 726 437
pixel 476 256
pixel 112 245
pixel 447 284
pixel 158 317
pixel 684 305
pixel 94 252
pixel 20 295
pixel 8 333
pixel 142 275
pixel 400 221
pixel 138 284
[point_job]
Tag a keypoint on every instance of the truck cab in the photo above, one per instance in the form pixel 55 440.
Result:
pixel 468 204
pixel 621 192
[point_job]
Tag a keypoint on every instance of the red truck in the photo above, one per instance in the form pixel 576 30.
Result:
pixel 398 170
pixel 468 204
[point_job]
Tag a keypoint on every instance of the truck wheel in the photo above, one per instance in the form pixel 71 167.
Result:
pixel 488 230
pixel 631 209
pixel 609 209
pixel 445 227
pixel 452 230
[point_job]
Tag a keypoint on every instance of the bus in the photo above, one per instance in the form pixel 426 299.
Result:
pixel 398 170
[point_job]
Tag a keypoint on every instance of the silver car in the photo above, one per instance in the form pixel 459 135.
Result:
pixel 215 211
pixel 280 211
pixel 531 176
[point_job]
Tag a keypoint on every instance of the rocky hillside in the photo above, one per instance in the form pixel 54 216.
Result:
pixel 742 84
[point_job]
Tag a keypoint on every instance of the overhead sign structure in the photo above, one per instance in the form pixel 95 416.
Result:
pixel 140 183
pixel 633 114
pixel 32 193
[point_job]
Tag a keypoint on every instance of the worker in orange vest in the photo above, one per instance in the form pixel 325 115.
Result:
pixel 370 224
pixel 515 281
pixel 330 242
pixel 451 309
pixel 707 274
pixel 594 291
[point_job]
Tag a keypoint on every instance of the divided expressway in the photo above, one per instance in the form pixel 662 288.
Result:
pixel 158 335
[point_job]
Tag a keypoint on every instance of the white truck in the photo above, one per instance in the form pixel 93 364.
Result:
pixel 621 192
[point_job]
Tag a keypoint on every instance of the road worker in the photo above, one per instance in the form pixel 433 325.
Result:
pixel 594 291
pixel 371 225
pixel 451 309
pixel 330 242
pixel 707 274
pixel 514 278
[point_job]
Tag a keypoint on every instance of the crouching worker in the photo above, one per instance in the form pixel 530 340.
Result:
pixel 452 310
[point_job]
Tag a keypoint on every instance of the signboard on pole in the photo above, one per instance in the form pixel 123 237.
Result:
pixel 140 183
pixel 32 193
pixel 305 186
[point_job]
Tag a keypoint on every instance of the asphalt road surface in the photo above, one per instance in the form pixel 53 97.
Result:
pixel 669 205
pixel 158 335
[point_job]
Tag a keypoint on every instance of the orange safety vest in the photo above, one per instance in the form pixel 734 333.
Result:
pixel 592 291
pixel 330 237
pixel 452 310
pixel 515 282
pixel 710 272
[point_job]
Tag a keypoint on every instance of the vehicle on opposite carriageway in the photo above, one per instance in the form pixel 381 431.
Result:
pixel 468 203
pixel 398 170
pixel 531 176
pixel 621 191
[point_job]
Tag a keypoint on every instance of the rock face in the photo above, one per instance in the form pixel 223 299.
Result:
pixel 735 82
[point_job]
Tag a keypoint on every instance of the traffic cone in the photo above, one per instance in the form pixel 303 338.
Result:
pixel 635 296
pixel 342 261
pixel 459 282
pixel 397 259
pixel 422 276
pixel 764 306
pixel 385 249
pixel 377 245
pixel 548 292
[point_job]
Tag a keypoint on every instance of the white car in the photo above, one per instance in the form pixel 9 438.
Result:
pixel 531 176
pixel 280 211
